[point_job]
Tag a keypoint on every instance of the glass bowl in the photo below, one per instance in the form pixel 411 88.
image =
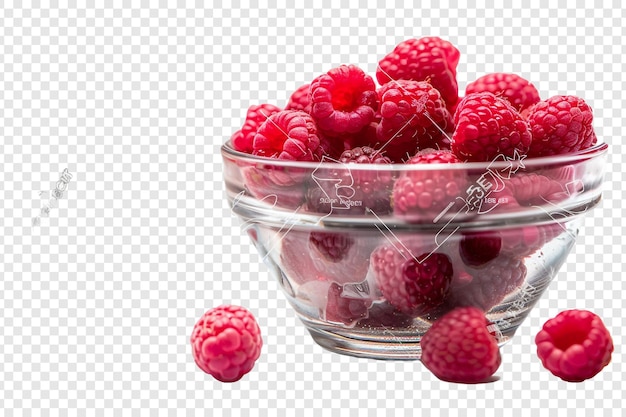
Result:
pixel 370 255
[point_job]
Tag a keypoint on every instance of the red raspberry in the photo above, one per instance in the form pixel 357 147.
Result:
pixel 343 101
pixel 490 283
pixel 535 189
pixel 226 342
pixel 413 116
pixel 517 90
pixel 422 194
pixel 575 345
pixel 345 308
pixel 333 247
pixel 414 285
pixel 330 256
pixel 561 124
pixel 459 348
pixel 346 191
pixel 255 117
pixel 488 126
pixel 525 241
pixel 279 187
pixel 478 248
pixel 289 135
pixel 300 99
pixel 426 59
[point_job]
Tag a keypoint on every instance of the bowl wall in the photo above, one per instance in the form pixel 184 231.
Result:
pixel 368 269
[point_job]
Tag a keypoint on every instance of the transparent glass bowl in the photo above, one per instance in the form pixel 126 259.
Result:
pixel 370 255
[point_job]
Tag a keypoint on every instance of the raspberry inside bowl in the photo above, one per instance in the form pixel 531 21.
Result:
pixel 368 275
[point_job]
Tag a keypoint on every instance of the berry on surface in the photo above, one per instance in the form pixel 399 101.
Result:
pixel 575 345
pixel 226 342
pixel 459 348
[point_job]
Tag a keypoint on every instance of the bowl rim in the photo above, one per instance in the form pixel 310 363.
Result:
pixel 517 161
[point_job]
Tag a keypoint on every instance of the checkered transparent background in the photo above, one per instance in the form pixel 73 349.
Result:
pixel 135 98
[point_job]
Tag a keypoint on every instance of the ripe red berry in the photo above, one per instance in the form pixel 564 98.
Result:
pixel 343 101
pixel 429 59
pixel 341 190
pixel 490 283
pixel 345 308
pixel 575 345
pixel 561 124
pixel 487 127
pixel 226 342
pixel 300 99
pixel 413 282
pixel 478 248
pixel 459 348
pixel 255 117
pixel 517 90
pixel 413 116
pixel 289 135
pixel 420 195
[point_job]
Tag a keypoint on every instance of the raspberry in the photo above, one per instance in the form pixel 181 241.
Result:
pixel 363 155
pixel 535 189
pixel 226 342
pixel 478 248
pixel 255 117
pixel 518 91
pixel 344 308
pixel 423 194
pixel 300 99
pixel 333 247
pixel 280 188
pixel 459 348
pixel 488 126
pixel 575 345
pixel 413 116
pixel 490 284
pixel 289 135
pixel 343 101
pixel 341 190
pixel 426 59
pixel 525 241
pixel 330 256
pixel 414 285
pixel 561 124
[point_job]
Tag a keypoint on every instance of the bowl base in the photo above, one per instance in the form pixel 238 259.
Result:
pixel 379 348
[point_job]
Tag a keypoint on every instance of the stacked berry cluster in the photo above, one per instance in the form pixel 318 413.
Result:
pixel 416 106
pixel 413 117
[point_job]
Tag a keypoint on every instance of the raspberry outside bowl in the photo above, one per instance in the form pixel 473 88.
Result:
pixel 370 255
